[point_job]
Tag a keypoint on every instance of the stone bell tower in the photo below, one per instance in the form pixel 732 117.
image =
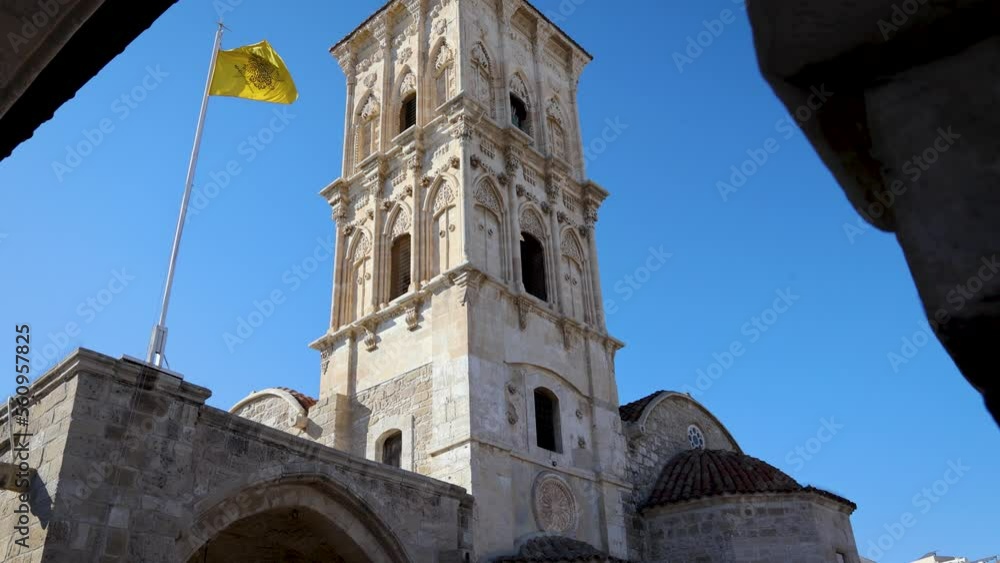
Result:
pixel 467 338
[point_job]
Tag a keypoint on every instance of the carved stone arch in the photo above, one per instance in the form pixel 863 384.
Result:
pixel 519 87
pixel 369 106
pixel 406 83
pixel 533 223
pixel 398 222
pixel 483 78
pixel 441 55
pixel 481 57
pixel 315 492
pixel 442 72
pixel 360 246
pixel 555 112
pixel 490 230
pixel 638 427
pixel 571 247
pixel 441 196
pixel 488 196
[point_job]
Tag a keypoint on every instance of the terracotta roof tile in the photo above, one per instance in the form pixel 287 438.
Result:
pixel 545 549
pixel 632 411
pixel 696 474
pixel 305 400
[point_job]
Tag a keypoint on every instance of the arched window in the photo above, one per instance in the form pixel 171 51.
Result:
pixel 533 266
pixel 696 437
pixel 366 139
pixel 392 449
pixel 519 114
pixel 408 112
pixel 558 141
pixel 547 431
pixel 444 74
pixel 483 77
pixel 399 267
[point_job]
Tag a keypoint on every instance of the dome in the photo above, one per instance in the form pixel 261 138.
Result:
pixel 696 474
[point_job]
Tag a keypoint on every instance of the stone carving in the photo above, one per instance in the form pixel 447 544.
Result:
pixel 443 198
pixel 404 55
pixel 371 108
pixel 413 315
pixel 468 283
pixel 523 309
pixel 555 505
pixel 455 162
pixel 444 57
pixel 512 417
pixel 488 199
pixel 369 81
pixel 572 249
pixel 555 112
pixel 532 224
pixel 518 87
pixel 362 248
pixel 401 225
pixel 441 26
pixel 408 84
pixel 371 338
pixel 324 358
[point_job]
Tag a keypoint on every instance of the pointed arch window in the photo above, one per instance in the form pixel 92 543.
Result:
pixel 366 137
pixel 483 78
pixel 519 113
pixel 444 74
pixel 533 266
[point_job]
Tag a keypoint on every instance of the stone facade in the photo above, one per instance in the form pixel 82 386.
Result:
pixel 133 466
pixel 802 528
pixel 467 345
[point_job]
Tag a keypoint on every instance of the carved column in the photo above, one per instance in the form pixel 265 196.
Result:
pixel 590 218
pixel 417 218
pixel 379 29
pixel 552 195
pixel 348 63
pixel 514 191
pixel 339 267
pixel 542 34
pixel 576 69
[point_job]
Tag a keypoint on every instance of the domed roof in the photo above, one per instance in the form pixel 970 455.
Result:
pixel 558 549
pixel 697 473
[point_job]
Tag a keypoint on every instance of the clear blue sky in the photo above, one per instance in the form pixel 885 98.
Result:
pixel 826 357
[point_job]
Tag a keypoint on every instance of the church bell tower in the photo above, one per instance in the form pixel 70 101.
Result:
pixel 467 337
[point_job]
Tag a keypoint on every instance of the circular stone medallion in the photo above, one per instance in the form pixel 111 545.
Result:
pixel 555 505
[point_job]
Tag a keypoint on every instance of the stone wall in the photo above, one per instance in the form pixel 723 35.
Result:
pixel 662 435
pixel 801 527
pixel 147 472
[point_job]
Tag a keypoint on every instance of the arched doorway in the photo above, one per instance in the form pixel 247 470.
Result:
pixel 296 518
pixel 295 535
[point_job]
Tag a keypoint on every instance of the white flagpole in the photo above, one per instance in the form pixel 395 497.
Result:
pixel 158 342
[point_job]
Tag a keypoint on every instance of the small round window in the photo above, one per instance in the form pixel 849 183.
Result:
pixel 696 438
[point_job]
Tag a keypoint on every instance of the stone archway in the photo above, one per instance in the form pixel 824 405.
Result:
pixel 286 534
pixel 300 519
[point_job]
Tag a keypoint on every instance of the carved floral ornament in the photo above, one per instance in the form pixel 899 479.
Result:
pixel 408 84
pixel 487 198
pixel 443 197
pixel 555 505
pixel 530 223
pixel 371 107
pixel 444 57
pixel 518 87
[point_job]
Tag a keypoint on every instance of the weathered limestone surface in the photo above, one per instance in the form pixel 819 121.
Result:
pixel 139 469
pixel 804 528
pixel 909 132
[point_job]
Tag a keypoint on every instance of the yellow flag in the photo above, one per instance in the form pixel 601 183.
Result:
pixel 254 72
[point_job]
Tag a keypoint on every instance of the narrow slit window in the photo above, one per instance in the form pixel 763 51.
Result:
pixel 533 266
pixel 400 267
pixel 547 420
pixel 408 113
